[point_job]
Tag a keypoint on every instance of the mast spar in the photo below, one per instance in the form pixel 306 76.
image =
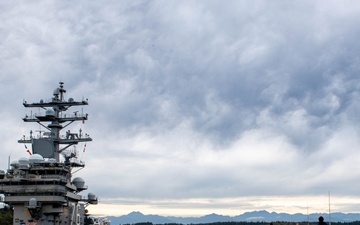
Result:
pixel 48 144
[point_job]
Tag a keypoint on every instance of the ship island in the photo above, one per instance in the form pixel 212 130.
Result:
pixel 41 188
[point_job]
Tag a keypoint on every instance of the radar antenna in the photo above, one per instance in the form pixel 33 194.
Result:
pixel 54 120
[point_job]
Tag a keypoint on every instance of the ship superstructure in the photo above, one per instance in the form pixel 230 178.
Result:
pixel 40 188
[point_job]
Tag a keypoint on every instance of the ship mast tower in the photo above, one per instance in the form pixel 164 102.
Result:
pixel 40 189
pixel 48 143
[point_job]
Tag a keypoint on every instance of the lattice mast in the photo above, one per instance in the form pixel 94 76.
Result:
pixel 49 144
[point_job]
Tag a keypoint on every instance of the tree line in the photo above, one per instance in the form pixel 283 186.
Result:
pixel 6 216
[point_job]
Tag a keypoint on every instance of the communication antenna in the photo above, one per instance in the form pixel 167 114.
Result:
pixel 329 210
pixel 307 212
pixel 9 162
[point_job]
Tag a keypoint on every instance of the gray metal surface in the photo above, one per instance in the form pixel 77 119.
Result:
pixel 40 188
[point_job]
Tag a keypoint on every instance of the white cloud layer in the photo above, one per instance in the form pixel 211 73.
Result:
pixel 252 103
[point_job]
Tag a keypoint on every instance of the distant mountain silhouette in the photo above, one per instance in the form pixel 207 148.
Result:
pixel 137 217
pixel 256 216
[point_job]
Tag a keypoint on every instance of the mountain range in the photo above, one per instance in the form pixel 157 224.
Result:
pixel 255 216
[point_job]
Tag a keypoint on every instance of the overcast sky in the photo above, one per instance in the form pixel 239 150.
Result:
pixel 195 107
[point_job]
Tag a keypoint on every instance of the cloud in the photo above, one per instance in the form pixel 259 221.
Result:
pixel 191 100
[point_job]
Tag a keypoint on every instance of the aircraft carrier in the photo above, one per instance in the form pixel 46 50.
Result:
pixel 41 188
